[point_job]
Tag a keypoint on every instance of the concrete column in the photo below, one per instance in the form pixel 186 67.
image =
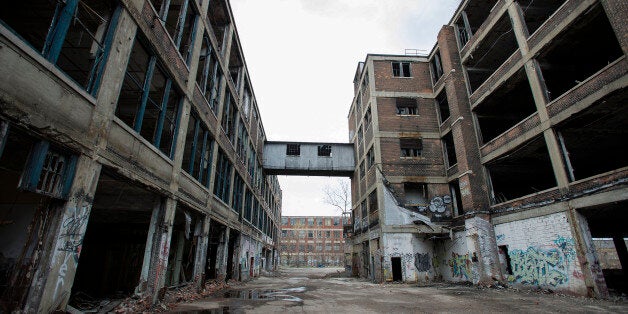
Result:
pixel 53 281
pixel 223 253
pixel 160 248
pixel 148 251
pixel 482 246
pixel 586 255
pixel 200 259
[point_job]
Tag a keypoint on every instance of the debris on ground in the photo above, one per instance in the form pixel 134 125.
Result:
pixel 173 296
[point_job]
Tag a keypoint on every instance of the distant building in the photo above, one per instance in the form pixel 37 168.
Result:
pixel 312 241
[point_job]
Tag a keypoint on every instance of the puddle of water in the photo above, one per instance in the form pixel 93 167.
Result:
pixel 268 294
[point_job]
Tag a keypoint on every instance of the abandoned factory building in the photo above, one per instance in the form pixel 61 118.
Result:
pixel 133 157
pixel 500 155
pixel 131 146
pixel 312 241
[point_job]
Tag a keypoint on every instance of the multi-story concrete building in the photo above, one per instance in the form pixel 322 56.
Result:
pixel 312 241
pixel 131 148
pixel 497 156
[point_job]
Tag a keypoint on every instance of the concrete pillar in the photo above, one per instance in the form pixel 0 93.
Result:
pixel 200 259
pixel 148 251
pixel 587 255
pixel 223 253
pixel 53 281
pixel 160 249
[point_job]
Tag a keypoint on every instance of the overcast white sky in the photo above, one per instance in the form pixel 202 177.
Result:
pixel 302 55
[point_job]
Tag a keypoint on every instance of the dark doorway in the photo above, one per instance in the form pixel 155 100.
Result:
pixel 233 237
pixel 396 268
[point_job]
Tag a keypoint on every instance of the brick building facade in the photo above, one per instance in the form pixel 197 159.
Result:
pixel 312 241
pixel 496 157
pixel 130 152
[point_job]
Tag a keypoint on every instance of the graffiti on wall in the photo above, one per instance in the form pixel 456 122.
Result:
pixel 72 231
pixel 460 265
pixel 545 265
pixel 438 206
pixel 422 261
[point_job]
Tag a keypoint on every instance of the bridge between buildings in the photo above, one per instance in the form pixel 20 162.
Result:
pixel 309 159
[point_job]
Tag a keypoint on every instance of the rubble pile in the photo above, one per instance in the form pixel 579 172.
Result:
pixel 172 297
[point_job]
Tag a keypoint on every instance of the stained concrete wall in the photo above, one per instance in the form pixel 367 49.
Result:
pixel 340 163
pixel 451 259
pixel 542 253
pixel 416 255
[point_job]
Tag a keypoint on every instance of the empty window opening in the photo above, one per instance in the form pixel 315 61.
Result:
pixel 243 141
pixel 208 73
pixel 367 118
pixel 187 229
pixel 373 209
pixel 450 149
pixel 411 147
pixel 215 242
pixel 222 181
pixel 179 18
pixel 293 149
pixel 490 54
pixel 324 150
pixel 401 69
pixel 590 38
pixel 406 106
pixel 148 101
pixel 609 237
pixel 75 35
pixel 443 106
pixel 511 103
pixel 112 252
pixel 236 65
pixel 529 163
pixel 472 17
pixel 237 197
pixel 436 67
pixel 197 156
pixel 415 194
pixel 362 170
pixel 229 114
pixel 601 126
pixel 218 17
pixel 535 13
pixel 454 190
pixel 370 157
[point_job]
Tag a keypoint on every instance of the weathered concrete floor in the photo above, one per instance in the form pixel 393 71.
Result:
pixel 331 294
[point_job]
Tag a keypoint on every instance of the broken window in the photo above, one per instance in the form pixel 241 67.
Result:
pixel 362 170
pixel 358 103
pixel 293 149
pixel 246 103
pixel 442 105
pixel 208 73
pixel 367 118
pixel 74 35
pixel 248 202
pixel 229 114
pixel 324 150
pixel 410 147
pixel 148 102
pixel 197 156
pixel 222 184
pixel 415 193
pixel 436 67
pixel 179 18
pixel 370 158
pixel 252 160
pixel 238 192
pixel 360 135
pixel 406 106
pixel 243 139
pixel 373 206
pixel 401 69
pixel 48 171
pixel 450 149
pixel 454 190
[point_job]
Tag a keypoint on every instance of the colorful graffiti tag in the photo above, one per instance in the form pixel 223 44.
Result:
pixel 460 265
pixel 543 266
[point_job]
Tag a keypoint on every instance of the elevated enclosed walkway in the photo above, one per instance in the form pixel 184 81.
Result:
pixel 309 159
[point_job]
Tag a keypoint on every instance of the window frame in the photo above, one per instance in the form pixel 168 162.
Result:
pixel 401 69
